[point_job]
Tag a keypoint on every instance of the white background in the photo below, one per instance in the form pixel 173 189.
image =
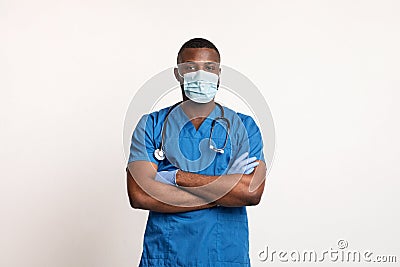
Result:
pixel 68 70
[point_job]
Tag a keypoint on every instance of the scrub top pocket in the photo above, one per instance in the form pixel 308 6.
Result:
pixel 232 235
pixel 156 237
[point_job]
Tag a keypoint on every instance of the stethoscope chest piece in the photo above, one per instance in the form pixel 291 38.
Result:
pixel 159 154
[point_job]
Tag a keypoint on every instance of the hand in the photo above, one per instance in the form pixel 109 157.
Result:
pixel 243 165
pixel 167 177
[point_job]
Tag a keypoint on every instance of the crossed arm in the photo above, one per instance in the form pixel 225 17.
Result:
pixel 195 191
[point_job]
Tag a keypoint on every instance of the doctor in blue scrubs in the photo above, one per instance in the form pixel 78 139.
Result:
pixel 195 166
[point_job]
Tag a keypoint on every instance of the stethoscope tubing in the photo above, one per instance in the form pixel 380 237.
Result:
pixel 160 153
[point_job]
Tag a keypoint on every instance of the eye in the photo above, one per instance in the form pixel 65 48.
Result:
pixel 190 67
pixel 211 67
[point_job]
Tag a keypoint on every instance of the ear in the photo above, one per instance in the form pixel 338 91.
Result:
pixel 177 76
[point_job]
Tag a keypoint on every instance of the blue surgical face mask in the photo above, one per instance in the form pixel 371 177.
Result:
pixel 200 86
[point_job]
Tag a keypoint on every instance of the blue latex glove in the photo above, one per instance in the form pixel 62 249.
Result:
pixel 167 177
pixel 243 165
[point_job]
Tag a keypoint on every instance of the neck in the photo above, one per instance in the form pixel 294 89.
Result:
pixel 194 110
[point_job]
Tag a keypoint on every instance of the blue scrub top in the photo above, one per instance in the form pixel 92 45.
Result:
pixel 216 236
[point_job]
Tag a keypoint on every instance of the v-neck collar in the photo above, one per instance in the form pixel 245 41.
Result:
pixel 207 120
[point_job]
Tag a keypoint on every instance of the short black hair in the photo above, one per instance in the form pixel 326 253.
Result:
pixel 197 43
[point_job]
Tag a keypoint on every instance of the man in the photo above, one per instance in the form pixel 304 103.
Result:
pixel 196 185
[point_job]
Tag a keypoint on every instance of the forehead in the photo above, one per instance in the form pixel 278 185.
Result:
pixel 199 54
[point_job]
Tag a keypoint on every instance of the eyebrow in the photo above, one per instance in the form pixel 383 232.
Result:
pixel 205 62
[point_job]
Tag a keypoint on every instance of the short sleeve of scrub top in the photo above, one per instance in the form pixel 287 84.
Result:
pixel 142 144
pixel 254 138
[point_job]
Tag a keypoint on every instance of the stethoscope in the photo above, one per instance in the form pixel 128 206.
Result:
pixel 159 153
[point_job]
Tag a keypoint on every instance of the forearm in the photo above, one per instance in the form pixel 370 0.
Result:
pixel 225 190
pixel 230 192
pixel 145 193
pixel 150 203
